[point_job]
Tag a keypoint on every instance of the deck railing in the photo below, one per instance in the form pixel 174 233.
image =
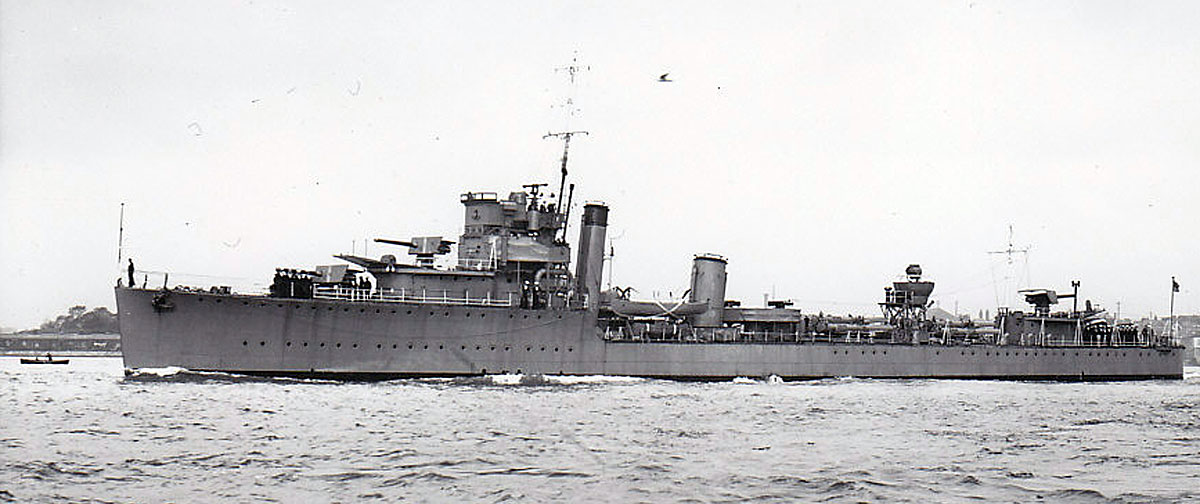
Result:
pixel 409 296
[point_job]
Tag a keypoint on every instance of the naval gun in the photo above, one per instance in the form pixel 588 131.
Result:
pixel 1041 299
pixel 424 247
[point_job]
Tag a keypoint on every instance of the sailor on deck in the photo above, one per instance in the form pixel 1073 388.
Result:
pixel 130 270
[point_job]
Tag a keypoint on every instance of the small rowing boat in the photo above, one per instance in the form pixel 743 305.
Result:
pixel 45 360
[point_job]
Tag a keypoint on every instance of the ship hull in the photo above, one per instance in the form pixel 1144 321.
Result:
pixel 326 338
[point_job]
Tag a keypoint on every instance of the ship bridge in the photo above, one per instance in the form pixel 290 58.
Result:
pixel 521 231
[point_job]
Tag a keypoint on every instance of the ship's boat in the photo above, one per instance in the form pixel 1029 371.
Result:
pixel 45 360
pixel 512 304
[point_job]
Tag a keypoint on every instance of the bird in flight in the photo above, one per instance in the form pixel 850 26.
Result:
pixel 663 77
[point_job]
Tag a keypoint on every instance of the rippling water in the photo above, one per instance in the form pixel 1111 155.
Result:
pixel 85 432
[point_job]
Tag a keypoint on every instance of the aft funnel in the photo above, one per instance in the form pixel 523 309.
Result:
pixel 708 286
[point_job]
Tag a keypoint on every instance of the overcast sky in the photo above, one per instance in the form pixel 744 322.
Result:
pixel 821 146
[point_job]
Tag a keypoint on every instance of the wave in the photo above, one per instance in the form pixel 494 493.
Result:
pixel 182 375
pixel 770 379
pixel 533 380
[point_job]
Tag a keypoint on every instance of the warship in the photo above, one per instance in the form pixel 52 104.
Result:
pixel 511 303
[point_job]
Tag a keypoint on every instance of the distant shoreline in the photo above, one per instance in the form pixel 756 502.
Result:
pixel 31 353
pixel 26 344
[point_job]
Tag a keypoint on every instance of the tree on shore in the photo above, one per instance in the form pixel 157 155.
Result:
pixel 78 320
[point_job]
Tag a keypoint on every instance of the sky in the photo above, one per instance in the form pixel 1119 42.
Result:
pixel 820 146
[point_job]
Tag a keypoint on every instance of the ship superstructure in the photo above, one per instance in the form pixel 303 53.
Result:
pixel 510 254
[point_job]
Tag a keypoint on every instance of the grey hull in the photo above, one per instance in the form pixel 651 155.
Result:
pixel 290 337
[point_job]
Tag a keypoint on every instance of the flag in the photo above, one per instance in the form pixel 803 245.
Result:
pixel 1174 285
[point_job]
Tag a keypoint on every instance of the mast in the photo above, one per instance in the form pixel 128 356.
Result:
pixel 1008 253
pixel 1171 320
pixel 566 212
pixel 566 138
pixel 121 235
pixel 571 70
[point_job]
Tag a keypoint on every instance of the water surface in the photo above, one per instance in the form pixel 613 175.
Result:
pixel 87 433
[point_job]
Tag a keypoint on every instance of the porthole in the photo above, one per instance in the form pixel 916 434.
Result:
pixel 528 349
pixel 481 315
pixel 493 349
pixel 440 347
pixel 393 312
pixel 506 349
pixel 409 312
pixel 510 315
pixel 345 309
pixel 468 314
pixel 410 346
pixel 447 314
pixel 426 347
pixel 555 349
pixel 322 344
pixel 199 300
pixel 262 343
pixel 464 347
pixel 477 347
pixel 377 310
pixel 543 349
pixel 218 300
pixel 304 344
pixel 539 317
pixel 339 345
pixel 288 343
pixel 354 345
pixel 245 303
pixel 362 310
pixel 569 349
pixel 379 346
pixel 244 343
pixel 280 305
